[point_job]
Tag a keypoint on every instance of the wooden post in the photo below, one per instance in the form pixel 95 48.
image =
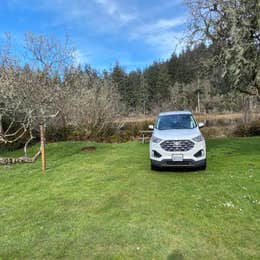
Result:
pixel 1 124
pixel 43 147
pixel 198 94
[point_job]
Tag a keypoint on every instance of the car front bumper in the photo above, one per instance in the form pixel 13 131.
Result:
pixel 184 163
pixel 162 158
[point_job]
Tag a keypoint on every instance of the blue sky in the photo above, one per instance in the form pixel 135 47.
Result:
pixel 132 32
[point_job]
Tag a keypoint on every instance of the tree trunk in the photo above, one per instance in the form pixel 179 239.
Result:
pixel 23 159
pixel 1 125
pixel 43 147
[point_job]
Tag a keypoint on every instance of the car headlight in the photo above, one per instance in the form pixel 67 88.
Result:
pixel 156 139
pixel 198 138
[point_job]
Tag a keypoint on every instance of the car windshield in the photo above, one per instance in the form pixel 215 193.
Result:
pixel 178 121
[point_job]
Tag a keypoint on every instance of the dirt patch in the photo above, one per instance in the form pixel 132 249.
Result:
pixel 88 149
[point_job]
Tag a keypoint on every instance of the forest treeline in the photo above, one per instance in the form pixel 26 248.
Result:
pixel 185 81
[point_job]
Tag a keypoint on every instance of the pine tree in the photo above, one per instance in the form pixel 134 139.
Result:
pixel 119 76
pixel 134 78
pixel 163 82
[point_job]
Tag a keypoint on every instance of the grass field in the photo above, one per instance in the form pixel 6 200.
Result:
pixel 109 205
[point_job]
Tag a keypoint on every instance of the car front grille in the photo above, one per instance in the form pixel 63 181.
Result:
pixel 177 145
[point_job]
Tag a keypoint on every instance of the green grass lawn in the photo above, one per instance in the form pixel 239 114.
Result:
pixel 109 205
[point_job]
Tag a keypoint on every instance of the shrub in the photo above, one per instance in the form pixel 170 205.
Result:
pixel 251 129
pixel 216 131
pixel 11 147
pixel 55 134
pixel 254 128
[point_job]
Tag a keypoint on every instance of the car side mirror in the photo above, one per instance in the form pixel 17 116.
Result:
pixel 201 124
pixel 151 127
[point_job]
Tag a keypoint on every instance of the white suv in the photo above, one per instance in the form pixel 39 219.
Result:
pixel 177 141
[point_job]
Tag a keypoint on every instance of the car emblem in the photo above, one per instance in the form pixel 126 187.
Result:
pixel 177 143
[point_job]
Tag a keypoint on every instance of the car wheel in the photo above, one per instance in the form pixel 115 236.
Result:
pixel 154 167
pixel 203 166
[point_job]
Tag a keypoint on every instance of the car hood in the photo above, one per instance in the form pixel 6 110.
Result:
pixel 176 134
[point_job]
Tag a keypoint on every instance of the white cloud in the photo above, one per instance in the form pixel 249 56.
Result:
pixel 166 43
pixel 161 25
pixel 169 23
pixel 110 6
pixel 115 11
pixel 161 35
pixel 79 57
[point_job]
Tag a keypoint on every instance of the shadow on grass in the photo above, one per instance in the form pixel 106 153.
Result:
pixel 176 255
pixel 175 170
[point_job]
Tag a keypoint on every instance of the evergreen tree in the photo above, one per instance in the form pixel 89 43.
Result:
pixel 143 100
pixel 119 76
pixel 151 76
pixel 163 82
pixel 134 78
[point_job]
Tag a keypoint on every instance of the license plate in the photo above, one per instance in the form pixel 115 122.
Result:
pixel 177 157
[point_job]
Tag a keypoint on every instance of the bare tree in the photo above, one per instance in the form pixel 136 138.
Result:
pixel 90 102
pixel 28 97
pixel 46 52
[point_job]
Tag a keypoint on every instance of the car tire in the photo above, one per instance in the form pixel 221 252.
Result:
pixel 154 167
pixel 203 167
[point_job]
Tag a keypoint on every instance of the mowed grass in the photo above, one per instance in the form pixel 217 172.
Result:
pixel 109 205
